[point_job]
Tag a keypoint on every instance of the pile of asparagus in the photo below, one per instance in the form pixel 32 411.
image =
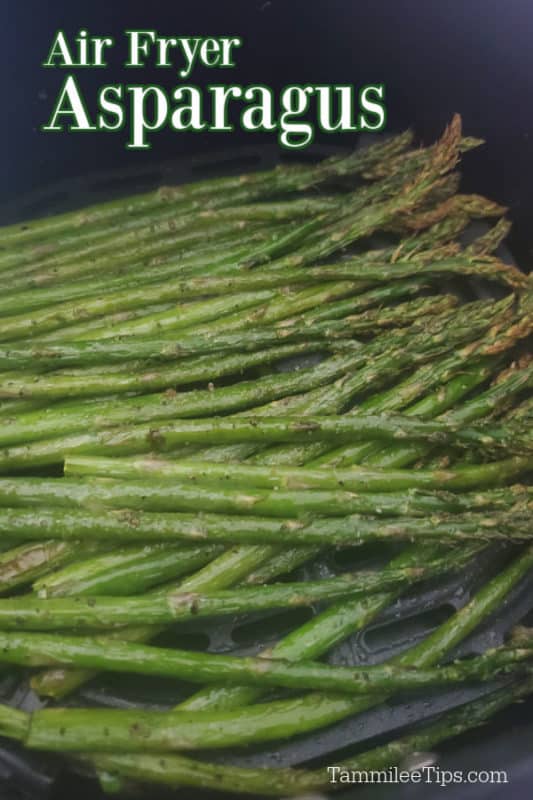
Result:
pixel 207 387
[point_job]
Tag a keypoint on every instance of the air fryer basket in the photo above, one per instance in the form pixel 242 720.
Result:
pixel 32 776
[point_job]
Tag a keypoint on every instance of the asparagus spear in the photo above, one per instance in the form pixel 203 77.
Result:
pixel 125 571
pixel 357 479
pixel 343 620
pixel 98 327
pixel 352 530
pixel 478 407
pixel 116 351
pixel 29 613
pixel 144 438
pixel 188 371
pixel 168 496
pixel 69 417
pixel 186 317
pixel 22 564
pixel 338 235
pixel 339 620
pixel 54 649
pixel 141 245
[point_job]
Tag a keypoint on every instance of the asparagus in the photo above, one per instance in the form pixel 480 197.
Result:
pixel 188 371
pixel 29 613
pixel 137 376
pixel 491 240
pixel 339 620
pixel 58 683
pixel 184 262
pixel 178 730
pixel 140 246
pixel 338 235
pixel 126 571
pixel 496 397
pixel 357 479
pixel 101 241
pixel 352 530
pixel 144 438
pixel 22 564
pixel 242 560
pixel 420 347
pixel 59 312
pixel 168 496
pixel 224 571
pixel 70 417
pixel 479 407
pixel 185 317
pixel 323 631
pixel 433 194
pixel 98 327
pixel 210 194
pixel 87 353
pixel 405 349
pixel 180 771
pixel 363 196
pixel 51 649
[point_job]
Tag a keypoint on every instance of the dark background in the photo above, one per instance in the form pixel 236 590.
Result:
pixel 471 56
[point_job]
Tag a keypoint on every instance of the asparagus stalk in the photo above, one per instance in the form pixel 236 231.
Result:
pixel 324 630
pixel 41 650
pixel 224 571
pixel 363 196
pixel 29 613
pixel 325 334
pixel 144 245
pixel 208 367
pixel 185 262
pixel 70 417
pixel 479 407
pixel 496 397
pixel 357 479
pixel 412 345
pixel 125 571
pixel 241 560
pixel 293 340
pixel 144 438
pixel 22 564
pixel 168 496
pixel 98 327
pixel 186 316
pixel 130 526
pixel 321 630
pixel 338 235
